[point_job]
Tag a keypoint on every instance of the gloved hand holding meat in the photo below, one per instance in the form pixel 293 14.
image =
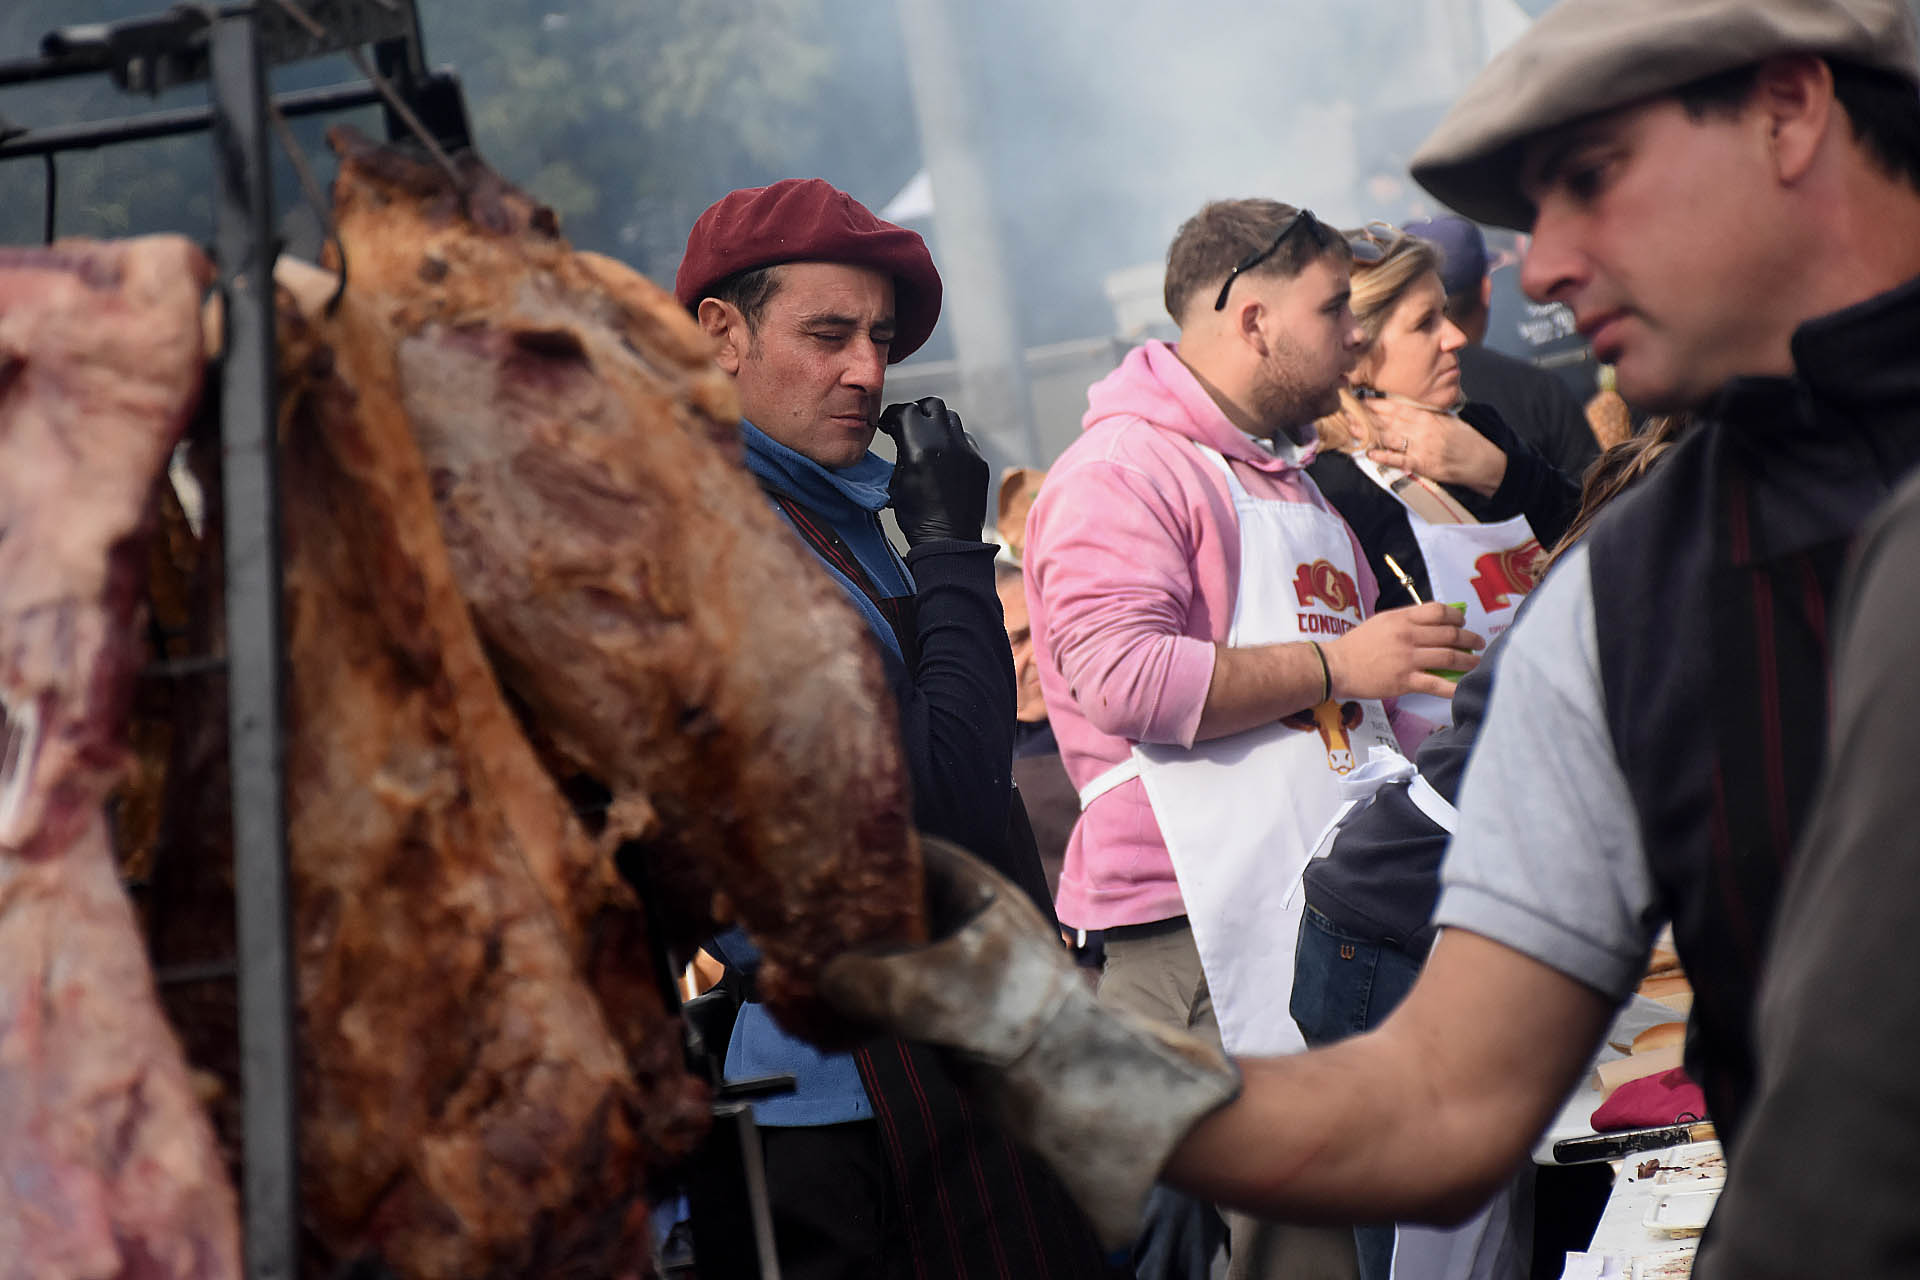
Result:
pixel 1103 1096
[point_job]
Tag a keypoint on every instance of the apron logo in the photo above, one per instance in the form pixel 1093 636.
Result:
pixel 1323 581
pixel 1335 723
pixel 1498 576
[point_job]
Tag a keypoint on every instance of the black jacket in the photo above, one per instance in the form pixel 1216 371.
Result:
pixel 1532 487
pixel 956 710
pixel 1538 406
pixel 1381 879
pixel 1721 572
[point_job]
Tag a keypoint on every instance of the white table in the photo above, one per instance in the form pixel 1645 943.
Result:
pixel 1622 1232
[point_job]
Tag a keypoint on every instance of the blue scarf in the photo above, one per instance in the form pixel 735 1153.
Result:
pixel 847 499
pixel 828 1086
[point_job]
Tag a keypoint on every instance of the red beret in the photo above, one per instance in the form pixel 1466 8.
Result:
pixel 807 220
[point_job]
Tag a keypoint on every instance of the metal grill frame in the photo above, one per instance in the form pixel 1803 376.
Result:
pixel 231 47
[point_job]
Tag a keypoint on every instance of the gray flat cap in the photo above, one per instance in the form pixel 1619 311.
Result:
pixel 1587 56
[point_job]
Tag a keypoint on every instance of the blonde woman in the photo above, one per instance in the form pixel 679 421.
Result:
pixel 1448 503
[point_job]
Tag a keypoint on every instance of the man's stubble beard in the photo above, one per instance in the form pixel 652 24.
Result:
pixel 1283 402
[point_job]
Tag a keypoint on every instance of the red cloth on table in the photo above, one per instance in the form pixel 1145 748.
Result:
pixel 1668 1098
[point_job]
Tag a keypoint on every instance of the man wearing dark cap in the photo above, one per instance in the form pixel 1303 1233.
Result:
pixel 1726 193
pixel 875 1166
pixel 1535 403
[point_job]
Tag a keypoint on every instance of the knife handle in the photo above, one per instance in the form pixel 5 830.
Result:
pixel 1608 1146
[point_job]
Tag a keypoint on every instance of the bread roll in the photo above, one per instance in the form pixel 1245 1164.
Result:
pixel 1671 984
pixel 1665 1035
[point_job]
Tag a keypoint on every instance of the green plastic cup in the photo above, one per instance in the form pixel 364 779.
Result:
pixel 1449 675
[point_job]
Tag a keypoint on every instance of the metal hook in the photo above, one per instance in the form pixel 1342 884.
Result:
pixel 310 188
pixel 53 197
pixel 385 89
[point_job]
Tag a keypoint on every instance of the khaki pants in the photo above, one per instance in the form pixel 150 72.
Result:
pixel 1157 974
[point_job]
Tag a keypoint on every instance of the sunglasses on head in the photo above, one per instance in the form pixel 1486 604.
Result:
pixel 1304 218
pixel 1375 242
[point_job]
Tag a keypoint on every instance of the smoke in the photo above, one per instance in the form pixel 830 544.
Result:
pixel 1107 122
pixel 1102 123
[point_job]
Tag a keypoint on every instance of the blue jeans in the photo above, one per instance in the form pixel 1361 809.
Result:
pixel 1344 984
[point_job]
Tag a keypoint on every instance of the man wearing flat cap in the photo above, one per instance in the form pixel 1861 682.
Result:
pixel 1726 194
pixel 875 1166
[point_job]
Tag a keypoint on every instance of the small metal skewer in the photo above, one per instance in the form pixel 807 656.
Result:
pixel 1405 581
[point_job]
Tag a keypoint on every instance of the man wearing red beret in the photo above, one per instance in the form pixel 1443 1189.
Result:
pixel 875 1167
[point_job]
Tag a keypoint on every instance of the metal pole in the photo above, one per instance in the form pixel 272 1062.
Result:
pixel 169 124
pixel 28 70
pixel 244 240
pixel 996 401
pixel 727 1192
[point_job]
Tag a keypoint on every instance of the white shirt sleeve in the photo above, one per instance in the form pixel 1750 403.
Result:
pixel 1548 858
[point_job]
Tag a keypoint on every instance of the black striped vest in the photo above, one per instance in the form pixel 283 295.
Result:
pixel 1713 587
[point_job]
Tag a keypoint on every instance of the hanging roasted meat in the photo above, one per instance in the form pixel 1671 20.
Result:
pixel 663 632
pixel 486 1081
pixel 110 1167
pixel 514 512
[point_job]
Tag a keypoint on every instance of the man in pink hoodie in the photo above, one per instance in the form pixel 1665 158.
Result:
pixel 1201 620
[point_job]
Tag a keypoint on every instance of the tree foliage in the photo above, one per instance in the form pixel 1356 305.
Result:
pixel 627 116
pixel 607 109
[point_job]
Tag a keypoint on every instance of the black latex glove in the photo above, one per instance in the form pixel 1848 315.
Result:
pixel 939 487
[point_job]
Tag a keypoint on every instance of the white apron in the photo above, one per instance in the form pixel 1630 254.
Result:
pixel 1385 767
pixel 1241 814
pixel 1490 568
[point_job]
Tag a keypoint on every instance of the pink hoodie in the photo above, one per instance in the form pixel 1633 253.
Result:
pixel 1132 563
